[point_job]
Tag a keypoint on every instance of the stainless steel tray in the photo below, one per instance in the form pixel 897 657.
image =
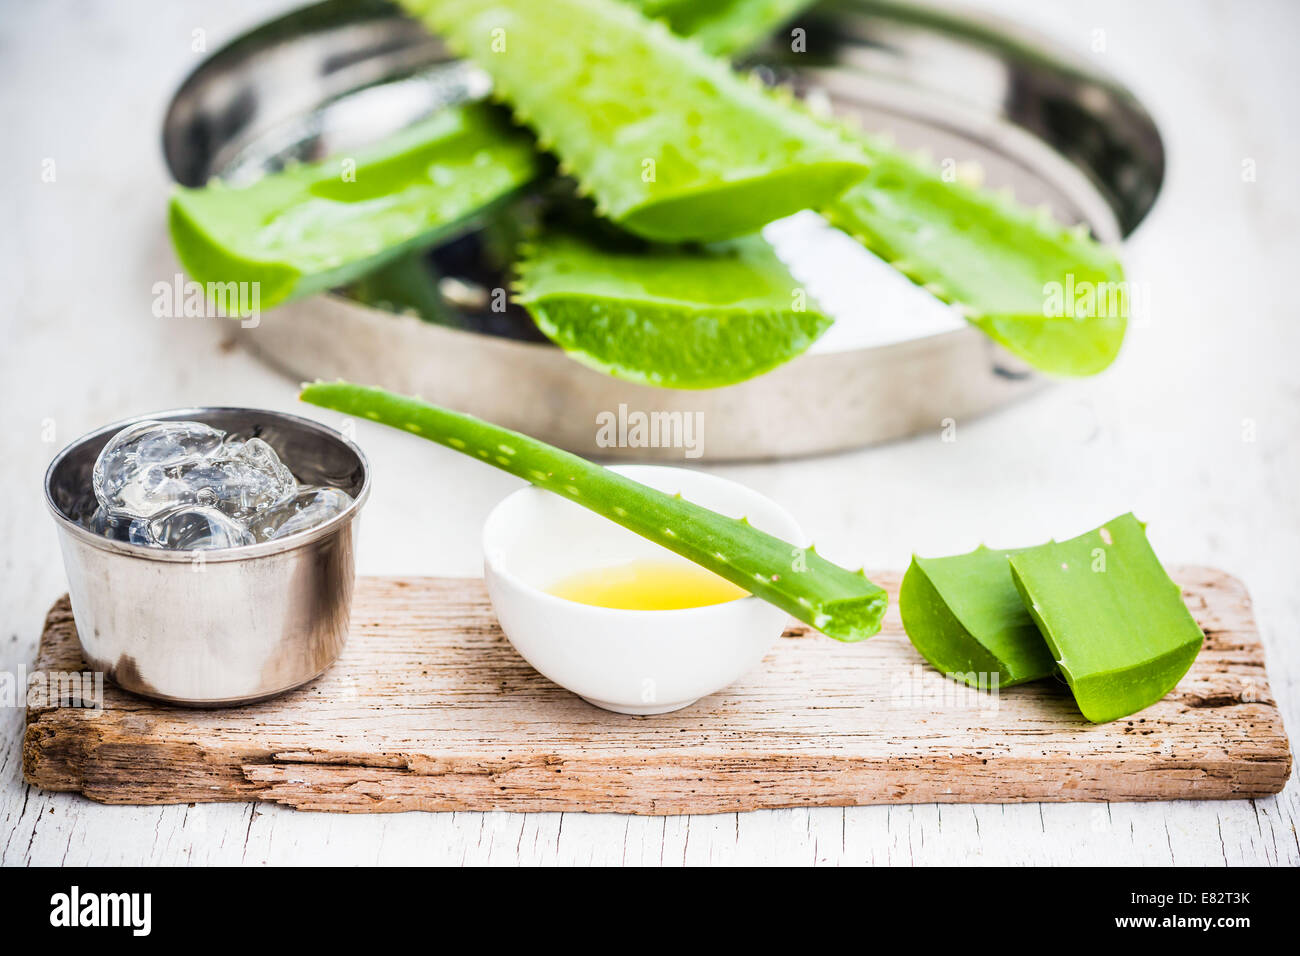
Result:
pixel 339 74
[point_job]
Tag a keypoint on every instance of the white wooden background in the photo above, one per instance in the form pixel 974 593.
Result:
pixel 1165 433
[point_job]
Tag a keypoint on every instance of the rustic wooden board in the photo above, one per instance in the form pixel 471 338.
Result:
pixel 431 709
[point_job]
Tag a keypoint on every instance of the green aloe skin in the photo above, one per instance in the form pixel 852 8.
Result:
pixel 965 616
pixel 665 315
pixel 999 263
pixel 321 225
pixel 670 142
pixel 1112 617
pixel 840 603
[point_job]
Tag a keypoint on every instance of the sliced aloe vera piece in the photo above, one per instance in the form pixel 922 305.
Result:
pixel 670 142
pixel 965 616
pixel 317 226
pixel 1113 619
pixel 1050 294
pixel 840 603
pixel 666 315
pixel 723 27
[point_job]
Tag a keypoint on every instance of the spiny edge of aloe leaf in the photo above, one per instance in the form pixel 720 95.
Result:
pixel 704 61
pixel 861 614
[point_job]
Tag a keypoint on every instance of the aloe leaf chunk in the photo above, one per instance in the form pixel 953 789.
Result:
pixel 1050 294
pixel 723 27
pixel 965 616
pixel 669 141
pixel 1114 620
pixel 668 316
pixel 321 225
pixel 840 603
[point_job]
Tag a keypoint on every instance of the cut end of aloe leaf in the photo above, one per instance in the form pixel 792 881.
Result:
pixel 855 619
pixel 671 317
pixel 838 602
pixel 1111 615
pixel 965 616
pixel 206 257
pixel 1051 295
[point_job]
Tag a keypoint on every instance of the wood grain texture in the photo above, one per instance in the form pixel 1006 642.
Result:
pixel 431 709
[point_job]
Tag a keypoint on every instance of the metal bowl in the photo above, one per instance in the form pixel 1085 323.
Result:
pixel 221 627
pixel 336 75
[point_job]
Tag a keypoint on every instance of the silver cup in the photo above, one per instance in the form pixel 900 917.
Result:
pixel 222 627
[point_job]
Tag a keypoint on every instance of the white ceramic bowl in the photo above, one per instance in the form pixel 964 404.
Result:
pixel 632 662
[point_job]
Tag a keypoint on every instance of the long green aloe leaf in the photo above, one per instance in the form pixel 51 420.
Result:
pixel 1050 294
pixel 840 603
pixel 668 316
pixel 965 616
pixel 723 27
pixel 1113 619
pixel 321 225
pixel 669 141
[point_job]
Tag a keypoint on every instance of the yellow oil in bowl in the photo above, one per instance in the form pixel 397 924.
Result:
pixel 648 586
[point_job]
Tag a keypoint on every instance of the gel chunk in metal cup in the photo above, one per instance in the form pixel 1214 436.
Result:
pixel 220 627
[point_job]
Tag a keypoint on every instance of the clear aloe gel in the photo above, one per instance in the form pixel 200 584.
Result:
pixel 185 486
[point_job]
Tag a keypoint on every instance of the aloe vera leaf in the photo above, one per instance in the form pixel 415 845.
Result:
pixel 999 262
pixel 965 616
pixel 317 226
pixel 668 316
pixel 1114 620
pixel 723 27
pixel 670 142
pixel 840 603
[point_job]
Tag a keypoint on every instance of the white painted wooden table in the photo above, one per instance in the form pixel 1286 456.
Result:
pixel 1167 432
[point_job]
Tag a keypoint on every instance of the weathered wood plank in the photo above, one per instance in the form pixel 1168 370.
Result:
pixel 431 709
